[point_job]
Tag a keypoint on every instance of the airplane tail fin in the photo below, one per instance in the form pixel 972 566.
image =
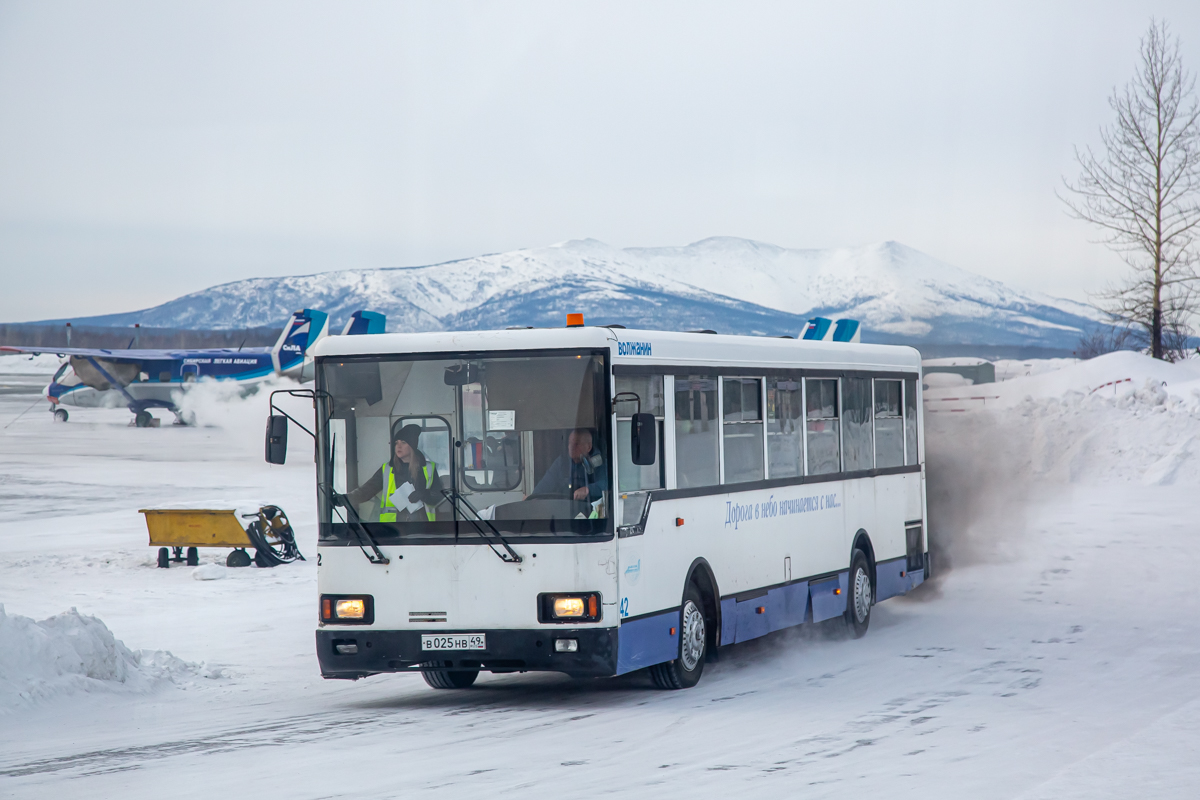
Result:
pixel 847 330
pixel 821 329
pixel 303 330
pixel 362 322
pixel 818 329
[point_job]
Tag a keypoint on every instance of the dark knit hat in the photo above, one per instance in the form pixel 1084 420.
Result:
pixel 409 434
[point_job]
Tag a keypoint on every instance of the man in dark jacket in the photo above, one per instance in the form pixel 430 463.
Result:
pixel 579 475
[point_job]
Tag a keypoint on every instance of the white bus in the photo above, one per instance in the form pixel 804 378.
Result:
pixel 596 500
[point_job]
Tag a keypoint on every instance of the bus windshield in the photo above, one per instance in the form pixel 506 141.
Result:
pixel 418 447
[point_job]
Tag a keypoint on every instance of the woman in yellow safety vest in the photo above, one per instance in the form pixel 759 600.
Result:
pixel 408 465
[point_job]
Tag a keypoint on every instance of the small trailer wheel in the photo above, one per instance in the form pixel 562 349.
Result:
pixel 238 558
pixel 193 557
pixel 164 558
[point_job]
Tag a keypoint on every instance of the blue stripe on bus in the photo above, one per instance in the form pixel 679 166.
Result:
pixel 892 579
pixel 728 621
pixel 825 603
pixel 647 641
pixel 782 607
pixel 788 605
pixel 916 578
pixel 751 624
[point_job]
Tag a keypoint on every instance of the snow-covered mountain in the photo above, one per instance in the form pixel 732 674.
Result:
pixel 726 284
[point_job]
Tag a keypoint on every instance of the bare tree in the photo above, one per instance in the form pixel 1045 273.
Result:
pixel 1144 192
pixel 1106 339
pixel 1119 334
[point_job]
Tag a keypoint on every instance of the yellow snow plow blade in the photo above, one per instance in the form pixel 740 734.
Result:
pixel 194 527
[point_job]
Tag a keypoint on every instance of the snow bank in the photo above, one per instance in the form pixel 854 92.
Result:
pixel 1112 375
pixel 985 464
pixel 72 652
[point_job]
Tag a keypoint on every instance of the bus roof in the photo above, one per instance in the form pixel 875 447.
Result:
pixel 642 347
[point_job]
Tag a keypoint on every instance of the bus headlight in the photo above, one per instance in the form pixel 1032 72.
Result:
pixel 568 606
pixel 581 607
pixel 355 608
pixel 347 609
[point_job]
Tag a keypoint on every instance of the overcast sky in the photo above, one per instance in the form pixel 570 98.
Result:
pixel 152 149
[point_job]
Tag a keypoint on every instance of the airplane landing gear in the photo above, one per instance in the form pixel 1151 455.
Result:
pixel 143 419
pixel 61 415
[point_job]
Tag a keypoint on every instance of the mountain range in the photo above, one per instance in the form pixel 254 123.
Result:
pixel 725 284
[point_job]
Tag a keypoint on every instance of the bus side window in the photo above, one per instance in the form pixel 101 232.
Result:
pixel 742 427
pixel 785 449
pixel 634 480
pixel 910 421
pixel 859 449
pixel 696 431
pixel 824 449
pixel 889 424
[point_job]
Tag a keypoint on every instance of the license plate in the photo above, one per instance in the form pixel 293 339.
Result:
pixel 454 641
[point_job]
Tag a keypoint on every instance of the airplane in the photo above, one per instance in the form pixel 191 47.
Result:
pixel 825 330
pixel 146 379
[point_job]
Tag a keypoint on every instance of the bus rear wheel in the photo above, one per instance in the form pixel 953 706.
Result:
pixel 450 679
pixel 684 671
pixel 858 604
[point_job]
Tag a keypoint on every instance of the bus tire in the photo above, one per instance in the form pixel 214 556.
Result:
pixel 858 604
pixel 683 672
pixel 450 679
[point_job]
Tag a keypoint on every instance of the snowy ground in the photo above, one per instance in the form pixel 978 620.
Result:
pixel 1060 657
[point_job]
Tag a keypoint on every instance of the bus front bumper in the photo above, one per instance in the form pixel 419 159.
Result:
pixel 356 653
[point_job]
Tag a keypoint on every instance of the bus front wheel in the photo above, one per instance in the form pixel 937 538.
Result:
pixel 450 678
pixel 684 671
pixel 858 604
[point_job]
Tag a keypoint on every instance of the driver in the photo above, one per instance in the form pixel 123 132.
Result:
pixel 579 474
pixel 407 468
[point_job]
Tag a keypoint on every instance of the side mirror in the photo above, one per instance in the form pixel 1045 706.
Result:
pixel 643 445
pixel 276 445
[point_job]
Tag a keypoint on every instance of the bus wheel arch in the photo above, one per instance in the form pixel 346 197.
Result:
pixel 700 575
pixel 857 616
pixel 862 541
pixel 684 671
pixel 699 606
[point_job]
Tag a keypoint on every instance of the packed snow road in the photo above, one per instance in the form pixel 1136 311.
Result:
pixel 1060 657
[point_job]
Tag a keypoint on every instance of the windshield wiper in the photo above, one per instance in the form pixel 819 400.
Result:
pixel 361 532
pixel 359 529
pixel 510 556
